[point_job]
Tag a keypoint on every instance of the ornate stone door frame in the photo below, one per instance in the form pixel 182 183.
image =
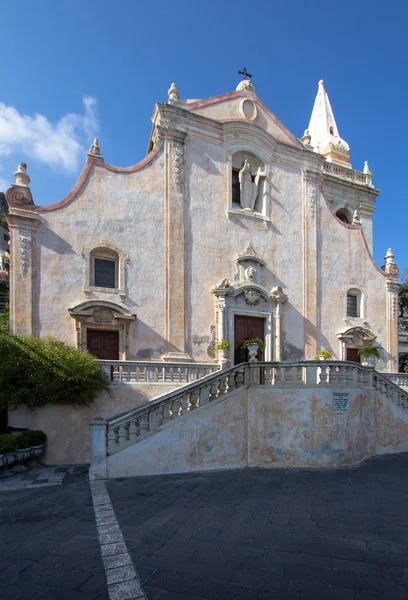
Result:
pixel 248 297
pixel 354 337
pixel 107 316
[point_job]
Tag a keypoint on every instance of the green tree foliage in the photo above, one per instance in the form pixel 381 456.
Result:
pixel 403 299
pixel 5 321
pixel 37 371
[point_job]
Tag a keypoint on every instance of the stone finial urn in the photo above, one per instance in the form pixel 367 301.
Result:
pixel 253 352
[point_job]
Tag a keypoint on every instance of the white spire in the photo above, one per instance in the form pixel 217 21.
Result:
pixel 323 131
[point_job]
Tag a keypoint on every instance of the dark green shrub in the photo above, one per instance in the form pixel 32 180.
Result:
pixel 33 438
pixel 5 320
pixel 37 371
pixel 24 440
pixel 8 443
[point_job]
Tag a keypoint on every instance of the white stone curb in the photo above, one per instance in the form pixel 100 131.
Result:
pixel 121 576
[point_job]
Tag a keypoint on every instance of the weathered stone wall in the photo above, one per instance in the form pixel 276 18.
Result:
pixel 67 428
pixel 259 427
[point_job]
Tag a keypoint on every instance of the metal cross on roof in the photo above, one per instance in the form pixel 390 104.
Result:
pixel 245 73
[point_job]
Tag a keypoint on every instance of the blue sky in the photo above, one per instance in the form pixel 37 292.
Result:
pixel 74 69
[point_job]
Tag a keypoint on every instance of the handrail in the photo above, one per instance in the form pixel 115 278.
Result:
pixel 132 371
pixel 136 424
pixel 132 426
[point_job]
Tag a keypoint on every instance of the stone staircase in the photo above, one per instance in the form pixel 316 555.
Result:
pixel 117 434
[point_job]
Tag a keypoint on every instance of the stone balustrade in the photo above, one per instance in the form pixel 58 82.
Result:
pixel 348 174
pixel 129 371
pixel 122 431
pixel 135 425
pixel 400 379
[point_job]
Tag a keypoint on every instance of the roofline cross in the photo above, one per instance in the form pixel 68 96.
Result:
pixel 245 73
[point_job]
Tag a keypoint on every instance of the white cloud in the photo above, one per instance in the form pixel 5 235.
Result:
pixel 61 145
pixel 4 185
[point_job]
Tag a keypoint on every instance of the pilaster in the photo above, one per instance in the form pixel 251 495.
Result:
pixel 174 296
pixel 310 263
pixel 392 288
pixel 23 225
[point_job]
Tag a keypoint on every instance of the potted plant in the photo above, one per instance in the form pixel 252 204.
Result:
pixel 23 451
pixel 222 348
pixel 324 355
pixel 369 355
pixel 37 442
pixel 253 345
pixel 8 447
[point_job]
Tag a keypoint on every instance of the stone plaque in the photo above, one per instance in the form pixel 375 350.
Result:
pixel 341 403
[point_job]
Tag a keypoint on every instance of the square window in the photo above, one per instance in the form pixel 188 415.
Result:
pixel 105 273
pixel 352 305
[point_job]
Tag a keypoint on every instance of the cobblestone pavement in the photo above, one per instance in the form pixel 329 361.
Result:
pixel 48 544
pixel 277 534
pixel 40 476
pixel 250 534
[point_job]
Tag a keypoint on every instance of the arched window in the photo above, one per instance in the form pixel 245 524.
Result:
pixel 353 303
pixel 104 268
pixel 344 215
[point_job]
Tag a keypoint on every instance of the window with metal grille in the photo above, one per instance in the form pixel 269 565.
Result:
pixel 352 305
pixel 105 273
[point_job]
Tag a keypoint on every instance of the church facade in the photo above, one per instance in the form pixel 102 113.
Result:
pixel 230 228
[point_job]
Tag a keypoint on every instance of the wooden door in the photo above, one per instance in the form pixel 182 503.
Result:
pixel 103 344
pixel 246 328
pixel 352 354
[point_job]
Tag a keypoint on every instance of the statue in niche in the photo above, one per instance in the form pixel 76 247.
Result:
pixel 248 189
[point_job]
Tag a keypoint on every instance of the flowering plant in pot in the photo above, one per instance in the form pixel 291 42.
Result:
pixel 253 345
pixel 323 355
pixel 369 355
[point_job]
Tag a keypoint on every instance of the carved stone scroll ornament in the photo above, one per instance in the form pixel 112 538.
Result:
pixel 252 297
pixel 311 195
pixel 177 160
pixel 25 252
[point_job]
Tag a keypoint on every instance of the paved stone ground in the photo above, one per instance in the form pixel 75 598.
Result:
pixel 40 476
pixel 251 534
pixel 48 543
pixel 258 534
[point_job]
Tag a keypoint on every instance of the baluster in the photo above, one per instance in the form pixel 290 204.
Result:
pixel 239 378
pixel 113 439
pixel 323 376
pixel 204 395
pixel 122 433
pixel 267 376
pixel 167 414
pixel 213 390
pixel 183 371
pixel 144 423
pixel 222 386
pixel 184 404
pixel 107 371
pixel 125 373
pixel 116 374
pixel 133 376
pixel 151 374
pixel 175 409
pixel 278 376
pixel 133 430
pixel 299 375
pixel 126 427
pixel 194 399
